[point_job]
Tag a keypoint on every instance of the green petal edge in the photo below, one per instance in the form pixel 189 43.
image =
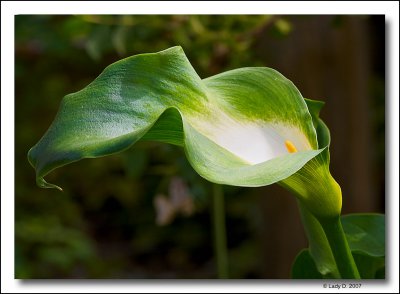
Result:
pixel 219 121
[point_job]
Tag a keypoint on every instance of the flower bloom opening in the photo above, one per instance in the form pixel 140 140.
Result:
pixel 290 147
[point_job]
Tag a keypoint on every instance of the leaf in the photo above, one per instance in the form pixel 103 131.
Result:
pixel 319 247
pixel 233 126
pixel 304 267
pixel 365 234
pixel 369 267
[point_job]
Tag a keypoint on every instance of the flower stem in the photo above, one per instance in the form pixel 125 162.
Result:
pixel 340 248
pixel 220 231
pixel 319 247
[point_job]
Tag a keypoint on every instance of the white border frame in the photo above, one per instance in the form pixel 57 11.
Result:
pixel 10 9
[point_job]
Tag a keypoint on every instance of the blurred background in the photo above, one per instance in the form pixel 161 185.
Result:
pixel 145 213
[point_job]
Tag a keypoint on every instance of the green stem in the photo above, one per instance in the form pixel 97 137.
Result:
pixel 220 231
pixel 340 248
pixel 319 247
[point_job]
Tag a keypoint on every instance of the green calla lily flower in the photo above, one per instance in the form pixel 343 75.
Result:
pixel 246 127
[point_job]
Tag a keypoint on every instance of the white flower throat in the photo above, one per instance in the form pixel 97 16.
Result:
pixel 255 142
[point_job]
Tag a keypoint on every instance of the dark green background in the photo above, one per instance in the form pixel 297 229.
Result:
pixel 103 224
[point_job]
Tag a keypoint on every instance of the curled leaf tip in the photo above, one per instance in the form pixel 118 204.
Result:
pixel 44 184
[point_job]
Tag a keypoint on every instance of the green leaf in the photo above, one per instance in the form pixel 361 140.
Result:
pixel 369 267
pixel 319 247
pixel 233 126
pixel 365 234
pixel 304 267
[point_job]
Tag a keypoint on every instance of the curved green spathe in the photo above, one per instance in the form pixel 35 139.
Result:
pixel 234 126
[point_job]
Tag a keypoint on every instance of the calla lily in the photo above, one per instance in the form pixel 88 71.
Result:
pixel 245 127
